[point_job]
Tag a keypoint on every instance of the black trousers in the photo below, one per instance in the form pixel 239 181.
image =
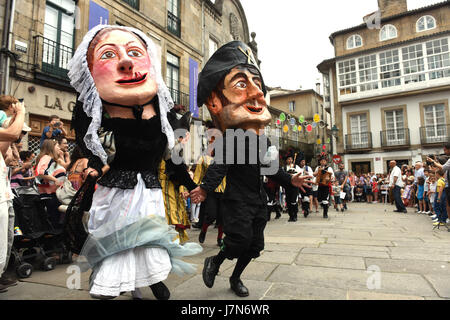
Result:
pixel 212 208
pixel 292 202
pixel 243 225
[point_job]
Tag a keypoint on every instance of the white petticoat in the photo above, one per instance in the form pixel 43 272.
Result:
pixel 111 210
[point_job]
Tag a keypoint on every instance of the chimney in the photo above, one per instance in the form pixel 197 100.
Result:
pixel 318 86
pixel 392 7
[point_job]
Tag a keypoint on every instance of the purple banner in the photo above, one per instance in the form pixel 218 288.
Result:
pixel 97 15
pixel 193 81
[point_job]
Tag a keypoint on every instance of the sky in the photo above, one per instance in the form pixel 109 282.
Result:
pixel 293 35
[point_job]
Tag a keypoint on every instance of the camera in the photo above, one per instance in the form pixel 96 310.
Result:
pixel 20 100
pixel 57 124
pixel 432 156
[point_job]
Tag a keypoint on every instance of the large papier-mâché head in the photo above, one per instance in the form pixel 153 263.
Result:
pixel 118 65
pixel 232 87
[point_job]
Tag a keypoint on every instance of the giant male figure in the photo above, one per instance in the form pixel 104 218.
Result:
pixel 232 87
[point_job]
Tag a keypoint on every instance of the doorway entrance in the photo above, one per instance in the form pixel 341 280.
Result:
pixel 361 167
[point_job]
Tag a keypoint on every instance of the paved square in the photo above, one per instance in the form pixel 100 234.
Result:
pixel 368 252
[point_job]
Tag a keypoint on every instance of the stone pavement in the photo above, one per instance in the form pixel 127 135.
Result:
pixel 368 252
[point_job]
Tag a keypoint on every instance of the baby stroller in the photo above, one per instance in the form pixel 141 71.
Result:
pixel 37 239
pixel 359 193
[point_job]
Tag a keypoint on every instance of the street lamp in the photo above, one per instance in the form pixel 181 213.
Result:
pixel 335 131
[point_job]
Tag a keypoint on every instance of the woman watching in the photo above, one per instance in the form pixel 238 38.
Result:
pixel 49 176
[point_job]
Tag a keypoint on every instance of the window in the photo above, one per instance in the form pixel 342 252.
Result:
pixel 388 32
pixel 354 41
pixel 425 23
pixel 173 17
pixel 212 47
pixel 133 3
pixel 58 36
pixel 438 58
pixel 413 63
pixel 368 74
pixel 347 77
pixel 359 131
pixel 173 76
pixel 395 133
pixel 435 126
pixel 291 106
pixel 390 69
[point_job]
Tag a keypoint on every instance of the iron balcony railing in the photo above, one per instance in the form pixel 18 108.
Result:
pixel 435 134
pixel 358 141
pixel 133 3
pixel 173 24
pixel 179 97
pixel 51 57
pixel 395 137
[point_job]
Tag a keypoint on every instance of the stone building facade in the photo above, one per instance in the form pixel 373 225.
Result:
pixel 305 104
pixel 44 34
pixel 388 86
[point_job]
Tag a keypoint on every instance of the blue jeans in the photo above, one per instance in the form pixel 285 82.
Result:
pixel 441 208
pixel 398 199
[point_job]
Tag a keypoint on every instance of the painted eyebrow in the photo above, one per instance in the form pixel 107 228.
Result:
pixel 115 45
pixel 242 74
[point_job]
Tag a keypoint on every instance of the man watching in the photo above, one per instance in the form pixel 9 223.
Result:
pixel 54 129
pixel 396 183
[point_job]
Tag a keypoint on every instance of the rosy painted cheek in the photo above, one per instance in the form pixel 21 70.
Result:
pixel 103 70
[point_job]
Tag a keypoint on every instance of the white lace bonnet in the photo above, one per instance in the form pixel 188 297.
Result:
pixel 82 81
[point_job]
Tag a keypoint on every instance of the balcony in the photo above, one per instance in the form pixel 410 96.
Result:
pixel 358 142
pixel 437 134
pixel 173 24
pixel 51 59
pixel 395 138
pixel 180 98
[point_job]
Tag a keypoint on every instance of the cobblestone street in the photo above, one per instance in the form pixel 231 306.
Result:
pixel 313 258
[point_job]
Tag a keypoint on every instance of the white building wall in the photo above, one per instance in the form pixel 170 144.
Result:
pixel 375 117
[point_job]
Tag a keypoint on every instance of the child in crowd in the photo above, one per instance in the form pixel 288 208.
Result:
pixel 406 195
pixel 337 196
pixel 419 194
pixel 440 202
pixel 432 193
pixel 375 189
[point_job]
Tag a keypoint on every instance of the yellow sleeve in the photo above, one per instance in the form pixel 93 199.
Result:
pixel 198 174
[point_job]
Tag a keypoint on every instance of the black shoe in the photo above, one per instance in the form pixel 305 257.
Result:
pixel 405 211
pixel 278 216
pixel 337 209
pixel 306 213
pixel 7 282
pixel 102 297
pixel 238 287
pixel 210 271
pixel 160 291
pixel 397 211
pixel 201 237
pixel 325 216
pixel 196 226
pixel 294 219
pixel 291 220
pixel 3 288
pixel 345 206
pixel 342 210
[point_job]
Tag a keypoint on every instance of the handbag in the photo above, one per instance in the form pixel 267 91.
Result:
pixel 108 144
pixel 66 192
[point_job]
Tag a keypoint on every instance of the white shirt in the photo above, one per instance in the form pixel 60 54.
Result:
pixel 295 168
pixel 396 172
pixel 308 172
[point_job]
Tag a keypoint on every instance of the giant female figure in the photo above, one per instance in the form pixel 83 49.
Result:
pixel 120 90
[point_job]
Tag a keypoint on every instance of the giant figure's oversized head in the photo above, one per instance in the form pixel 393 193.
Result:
pixel 116 65
pixel 232 87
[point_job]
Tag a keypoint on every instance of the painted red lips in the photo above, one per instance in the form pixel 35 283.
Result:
pixel 136 79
